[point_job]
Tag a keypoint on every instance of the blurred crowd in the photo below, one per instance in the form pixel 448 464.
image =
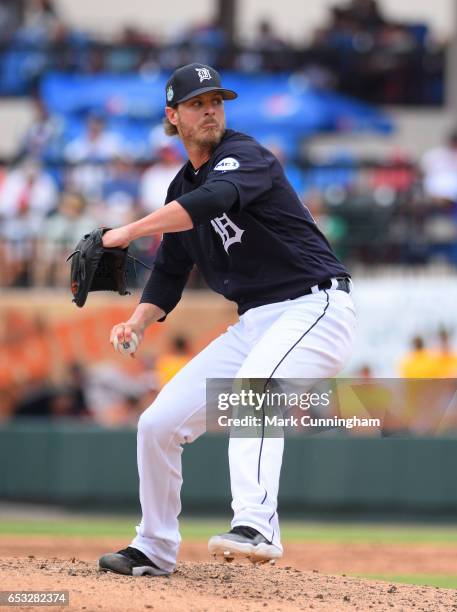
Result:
pixel 45 210
pixel 109 392
pixel 433 358
pixel 358 50
pixel 393 210
pixel 439 360
pixel 396 209
pixel 372 57
pixel 420 400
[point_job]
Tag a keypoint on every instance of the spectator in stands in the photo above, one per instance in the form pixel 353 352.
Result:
pixel 10 18
pixel 89 152
pixel 366 13
pixel 273 49
pixel 36 47
pixel 396 173
pixel 68 399
pixel 38 42
pixel 60 232
pixel 372 58
pixel 333 225
pixel 155 181
pixel 131 50
pixel 113 394
pixel 97 144
pixel 27 192
pixel 120 193
pixel 169 363
pixel 27 195
pixel 340 31
pixel 352 26
pixel 439 167
pixel 390 72
pixel 444 358
pixel 418 363
pixel 266 51
pixel 293 172
pixel 364 371
pixel 46 399
pixel 61 405
pixel 42 23
pixel 202 42
pixel 75 387
pixel 427 404
pixel 207 42
pixel 43 137
pixel 34 399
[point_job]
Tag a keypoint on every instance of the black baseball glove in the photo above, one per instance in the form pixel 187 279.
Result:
pixel 97 268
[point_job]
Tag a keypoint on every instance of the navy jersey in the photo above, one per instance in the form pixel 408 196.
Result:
pixel 266 248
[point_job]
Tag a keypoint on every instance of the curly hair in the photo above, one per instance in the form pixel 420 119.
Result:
pixel 169 128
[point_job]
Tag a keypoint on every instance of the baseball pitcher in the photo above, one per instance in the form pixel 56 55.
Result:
pixel 230 211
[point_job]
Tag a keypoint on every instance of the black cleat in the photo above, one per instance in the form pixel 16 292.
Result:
pixel 243 541
pixel 131 562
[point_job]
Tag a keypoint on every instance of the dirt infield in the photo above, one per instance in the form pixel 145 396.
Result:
pixel 296 583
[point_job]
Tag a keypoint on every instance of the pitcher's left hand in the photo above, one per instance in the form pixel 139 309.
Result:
pixel 118 237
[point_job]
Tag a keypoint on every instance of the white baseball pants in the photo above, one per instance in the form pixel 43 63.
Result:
pixel 309 337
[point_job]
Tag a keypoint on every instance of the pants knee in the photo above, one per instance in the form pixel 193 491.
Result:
pixel 155 424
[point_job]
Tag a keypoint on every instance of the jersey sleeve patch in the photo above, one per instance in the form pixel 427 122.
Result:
pixel 228 163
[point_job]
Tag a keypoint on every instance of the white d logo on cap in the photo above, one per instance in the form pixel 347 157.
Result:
pixel 203 73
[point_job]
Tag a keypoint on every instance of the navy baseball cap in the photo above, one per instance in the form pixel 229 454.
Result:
pixel 192 80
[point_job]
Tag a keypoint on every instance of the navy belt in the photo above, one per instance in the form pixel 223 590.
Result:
pixel 341 283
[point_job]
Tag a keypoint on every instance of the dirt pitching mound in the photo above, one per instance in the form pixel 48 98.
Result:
pixel 326 557
pixel 200 586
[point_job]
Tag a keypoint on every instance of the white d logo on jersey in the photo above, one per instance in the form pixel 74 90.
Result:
pixel 228 163
pixel 227 230
pixel 203 73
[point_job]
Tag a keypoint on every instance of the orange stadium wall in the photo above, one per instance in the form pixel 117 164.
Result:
pixel 41 333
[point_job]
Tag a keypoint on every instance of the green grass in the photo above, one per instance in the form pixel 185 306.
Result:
pixel 196 529
pixel 364 533
pixel 443 581
pixel 94 527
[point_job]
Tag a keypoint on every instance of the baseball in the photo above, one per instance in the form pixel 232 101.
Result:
pixel 126 348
